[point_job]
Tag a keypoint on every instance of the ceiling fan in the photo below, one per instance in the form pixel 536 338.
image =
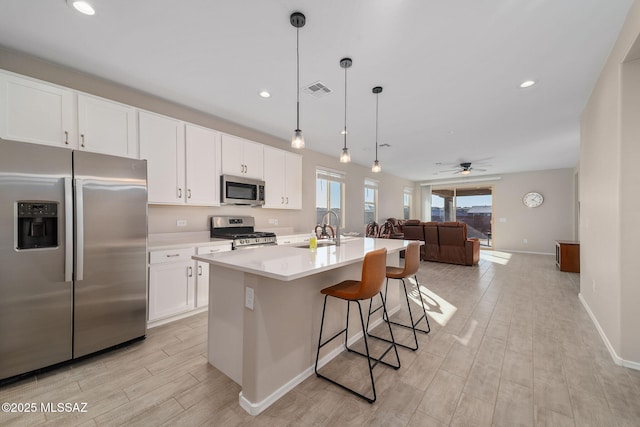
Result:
pixel 464 168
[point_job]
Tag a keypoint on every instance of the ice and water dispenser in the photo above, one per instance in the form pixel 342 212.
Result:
pixel 37 224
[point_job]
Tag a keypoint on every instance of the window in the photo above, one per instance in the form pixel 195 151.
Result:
pixel 473 206
pixel 407 201
pixel 329 194
pixel 370 200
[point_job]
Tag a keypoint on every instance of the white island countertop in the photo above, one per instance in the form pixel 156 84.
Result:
pixel 288 263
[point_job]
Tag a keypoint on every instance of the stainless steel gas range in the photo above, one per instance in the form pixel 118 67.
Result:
pixel 240 230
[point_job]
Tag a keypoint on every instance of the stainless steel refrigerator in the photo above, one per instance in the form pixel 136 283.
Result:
pixel 73 242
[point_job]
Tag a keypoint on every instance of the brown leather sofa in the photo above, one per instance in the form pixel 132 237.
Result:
pixel 444 241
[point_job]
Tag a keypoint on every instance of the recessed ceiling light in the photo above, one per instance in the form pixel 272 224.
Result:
pixel 82 6
pixel 264 94
pixel 527 83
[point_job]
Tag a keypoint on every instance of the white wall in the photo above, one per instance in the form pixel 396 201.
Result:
pixel 609 206
pixel 541 226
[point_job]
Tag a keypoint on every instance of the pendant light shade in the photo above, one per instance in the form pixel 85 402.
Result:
pixel 376 164
pixel 345 157
pixel 297 20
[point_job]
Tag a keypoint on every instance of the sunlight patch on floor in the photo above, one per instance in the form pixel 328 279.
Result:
pixel 437 307
pixel 496 257
pixel 464 339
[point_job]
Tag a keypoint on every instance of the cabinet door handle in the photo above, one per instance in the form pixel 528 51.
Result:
pixel 281 200
pixel 214 250
pixel 199 270
pixel 82 138
pixel 287 200
pixel 172 255
pixel 188 193
pixel 66 137
pixel 179 193
pixel 190 271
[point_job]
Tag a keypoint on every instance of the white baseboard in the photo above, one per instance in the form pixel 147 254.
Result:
pixel 616 359
pixel 164 321
pixel 257 408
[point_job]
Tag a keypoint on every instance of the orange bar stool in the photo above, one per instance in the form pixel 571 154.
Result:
pixel 373 274
pixel 411 266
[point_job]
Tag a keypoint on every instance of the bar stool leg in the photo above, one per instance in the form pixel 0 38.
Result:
pixel 366 345
pixel 413 324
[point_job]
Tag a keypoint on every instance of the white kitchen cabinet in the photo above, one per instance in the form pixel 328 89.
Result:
pixel 202 166
pixel 283 179
pixel 172 281
pixel 162 145
pixel 36 112
pixel 202 269
pixel 241 157
pixel 107 127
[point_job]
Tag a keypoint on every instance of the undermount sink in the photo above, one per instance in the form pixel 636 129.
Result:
pixel 321 243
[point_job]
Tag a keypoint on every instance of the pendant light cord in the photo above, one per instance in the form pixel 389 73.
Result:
pixel 377 97
pixel 297 78
pixel 345 107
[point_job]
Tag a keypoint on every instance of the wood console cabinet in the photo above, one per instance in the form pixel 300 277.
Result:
pixel 568 255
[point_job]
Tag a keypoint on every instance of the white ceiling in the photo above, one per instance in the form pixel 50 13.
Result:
pixel 450 69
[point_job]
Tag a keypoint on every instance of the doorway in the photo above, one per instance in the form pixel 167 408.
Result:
pixel 473 206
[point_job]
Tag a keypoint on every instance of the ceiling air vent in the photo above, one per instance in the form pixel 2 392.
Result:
pixel 317 89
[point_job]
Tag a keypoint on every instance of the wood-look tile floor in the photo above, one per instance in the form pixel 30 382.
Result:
pixel 510 345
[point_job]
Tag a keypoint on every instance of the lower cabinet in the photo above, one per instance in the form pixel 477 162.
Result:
pixel 172 283
pixel 177 283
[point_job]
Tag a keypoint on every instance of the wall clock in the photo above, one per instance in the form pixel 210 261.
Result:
pixel 532 199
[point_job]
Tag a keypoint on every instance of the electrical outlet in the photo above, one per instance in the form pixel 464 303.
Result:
pixel 181 223
pixel 248 298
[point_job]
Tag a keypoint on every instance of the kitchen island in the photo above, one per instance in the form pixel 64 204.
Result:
pixel 265 308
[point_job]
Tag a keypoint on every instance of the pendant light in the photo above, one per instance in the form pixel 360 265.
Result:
pixel 376 164
pixel 297 20
pixel 345 157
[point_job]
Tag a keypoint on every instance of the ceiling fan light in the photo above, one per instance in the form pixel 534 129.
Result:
pixel 465 172
pixel 376 167
pixel 298 140
pixel 345 157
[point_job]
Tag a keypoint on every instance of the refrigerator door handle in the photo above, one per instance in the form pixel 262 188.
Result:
pixel 79 231
pixel 68 230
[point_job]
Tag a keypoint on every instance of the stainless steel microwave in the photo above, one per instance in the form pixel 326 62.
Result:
pixel 237 190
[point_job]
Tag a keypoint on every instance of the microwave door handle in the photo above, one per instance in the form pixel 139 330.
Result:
pixel 68 230
pixel 79 231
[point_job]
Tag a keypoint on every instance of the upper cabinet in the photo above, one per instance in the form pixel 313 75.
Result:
pixel 283 179
pixel 203 166
pixel 43 113
pixel 183 161
pixel 107 127
pixel 162 144
pixel 241 157
pixel 31 111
